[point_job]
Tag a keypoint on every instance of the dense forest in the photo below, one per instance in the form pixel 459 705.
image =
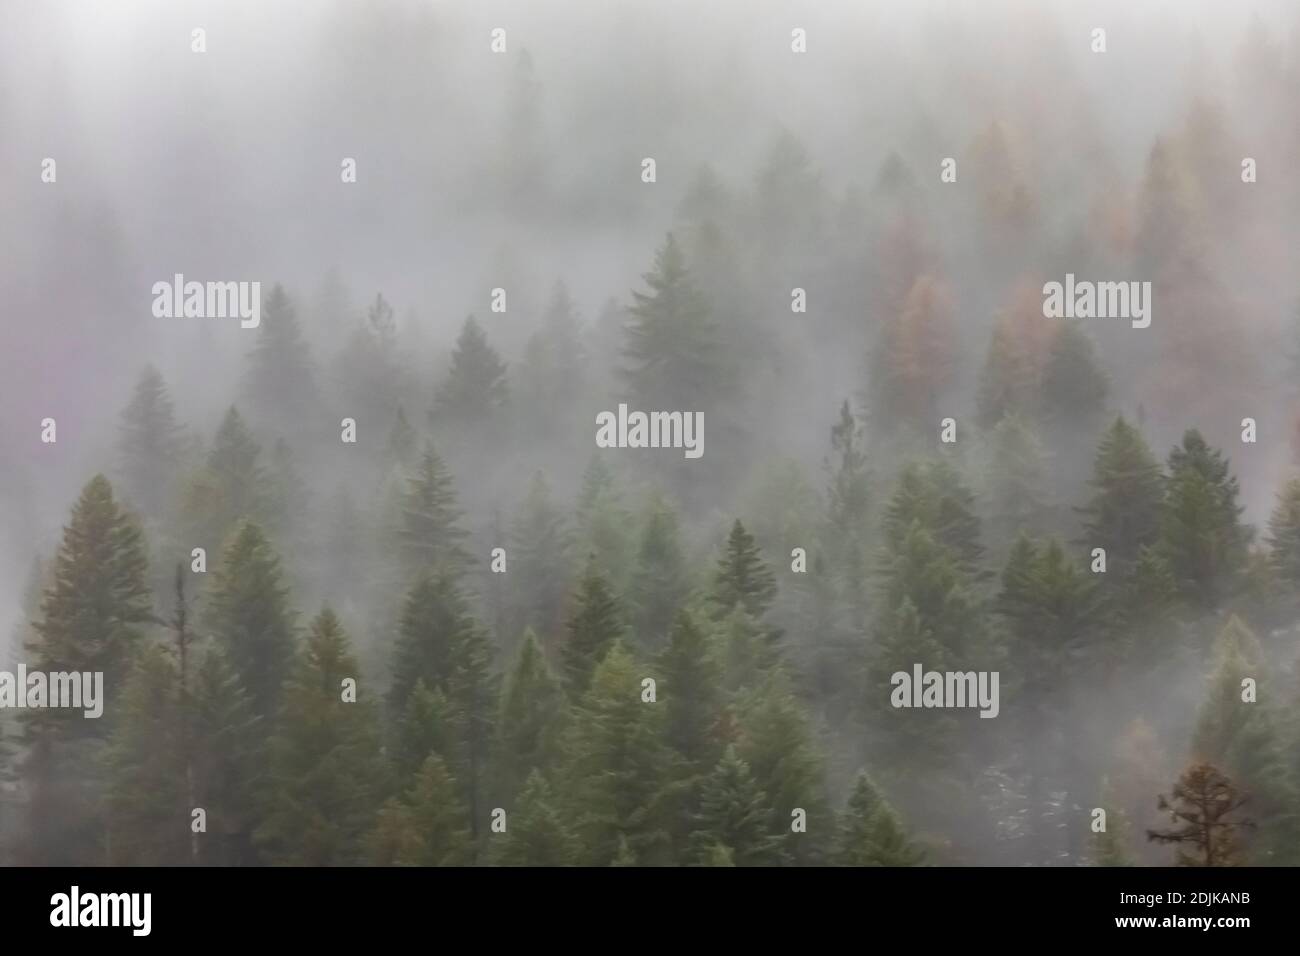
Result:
pixel 366 590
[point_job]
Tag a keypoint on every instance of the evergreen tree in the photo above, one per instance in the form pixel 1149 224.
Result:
pixel 423 728
pixel 426 825
pixel 531 718
pixel 537 834
pixel 601 523
pixel 555 364
pixel 871 833
pixel 248 613
pixel 1284 536
pixel 475 386
pixel 325 769
pixel 672 352
pixel 539 562
pixel 619 769
pixel 1016 480
pixel 659 584
pixel 1074 386
pixel 281 376
pixel 596 625
pixel 734 813
pixel 1201 531
pixel 231 486
pixel 149 444
pixel 401 446
pixel 435 618
pixel 429 538
pixel 848 509
pixel 690 688
pixel 742 579
pixel 1123 515
pixel 1202 802
pixel 934 496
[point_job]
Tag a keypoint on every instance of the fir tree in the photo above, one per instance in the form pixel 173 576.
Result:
pixel 659 585
pixel 871 833
pixel 1123 515
pixel 734 813
pixel 149 444
pixel 596 624
pixel 426 825
pixel 475 386
pixel 742 578
pixel 538 834
pixel 281 375
pixel 1284 536
pixel 423 728
pixel 231 486
pixel 429 537
pixel 531 717
pixel 325 770
pixel 672 352
pixel 434 619
pixel 538 562
pixel 248 613
pixel 1201 530
pixel 690 688
pixel 1074 386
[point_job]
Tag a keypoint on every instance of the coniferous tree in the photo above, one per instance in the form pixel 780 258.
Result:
pixel 734 813
pixel 601 523
pixel 325 770
pixel 475 386
pixel 1123 515
pixel 1200 807
pixel 232 485
pixel 435 617
pixel 281 375
pixel 659 585
pixel 538 568
pixel 531 720
pixel 424 826
pixel 149 444
pixel 595 626
pixel 1284 536
pixel 742 578
pixel 672 352
pixel 538 834
pixel 1074 386
pixel 619 769
pixel 871 833
pixel 248 613
pixel 429 537
pixel 1201 531
pixel 690 686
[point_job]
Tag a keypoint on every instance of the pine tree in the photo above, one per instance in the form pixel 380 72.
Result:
pixel 423 728
pixel 1203 799
pixel 1123 515
pixel 248 613
pixel 325 769
pixel 475 386
pixel 1016 480
pixel 659 585
pixel 619 769
pixel 742 578
pixel 595 626
pixel 231 486
pixel 429 537
pixel 531 720
pixel 435 618
pixel 672 352
pixel 601 524
pixel 426 825
pixel 539 571
pixel 537 834
pixel 734 813
pixel 934 496
pixel 1201 531
pixel 473 696
pixel 871 833
pixel 149 444
pixel 690 690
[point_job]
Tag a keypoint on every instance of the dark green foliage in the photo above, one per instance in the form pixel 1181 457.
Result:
pixel 596 624
pixel 734 813
pixel 871 833
pixel 475 386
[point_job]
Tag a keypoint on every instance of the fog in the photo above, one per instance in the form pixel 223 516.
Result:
pixel 479 170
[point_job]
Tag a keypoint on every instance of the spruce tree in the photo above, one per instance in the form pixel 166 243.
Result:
pixel 1284 536
pixel 672 353
pixel 232 485
pixel 742 578
pixel 429 537
pixel 619 769
pixel 538 565
pixel 871 833
pixel 149 444
pixel 537 834
pixel 248 613
pixel 735 813
pixel 423 728
pixel 531 720
pixel 1201 530
pixel 326 776
pixel 281 376
pixel 1074 387
pixel 424 826
pixel 595 625
pixel 601 524
pixel 659 583
pixel 475 386
pixel 435 617
pixel 689 688
pixel 1123 514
